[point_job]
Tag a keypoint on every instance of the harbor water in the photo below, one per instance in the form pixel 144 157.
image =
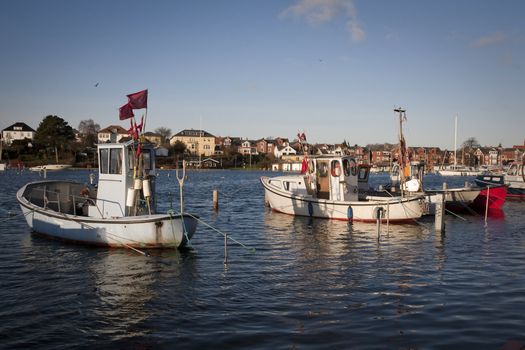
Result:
pixel 294 283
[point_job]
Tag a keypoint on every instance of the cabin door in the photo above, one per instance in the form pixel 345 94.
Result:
pixel 323 179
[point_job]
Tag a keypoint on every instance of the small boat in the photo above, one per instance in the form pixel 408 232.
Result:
pixel 329 188
pixel 407 178
pixel 50 167
pixel 514 179
pixel 469 197
pixel 459 170
pixel 119 212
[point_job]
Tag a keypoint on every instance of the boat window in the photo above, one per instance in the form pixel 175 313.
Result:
pixel 146 156
pixel 311 167
pixel 323 169
pixel 103 160
pixel 513 170
pixel 131 158
pixel 349 167
pixel 335 168
pixel 363 173
pixel 115 161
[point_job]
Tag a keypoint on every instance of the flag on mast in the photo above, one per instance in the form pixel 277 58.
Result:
pixel 138 100
pixel 125 112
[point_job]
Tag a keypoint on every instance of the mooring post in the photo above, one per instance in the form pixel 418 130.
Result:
pixel 225 249
pixel 215 200
pixel 440 213
pixel 379 212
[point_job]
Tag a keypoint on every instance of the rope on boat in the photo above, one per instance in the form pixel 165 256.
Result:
pixel 252 250
pixel 124 244
pixel 12 216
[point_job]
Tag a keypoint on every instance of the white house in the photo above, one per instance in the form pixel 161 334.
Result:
pixel 17 131
pixel 279 151
pixel 112 133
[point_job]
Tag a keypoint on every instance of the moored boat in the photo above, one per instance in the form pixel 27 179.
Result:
pixel 50 167
pixel 514 179
pixel 120 212
pixel 329 188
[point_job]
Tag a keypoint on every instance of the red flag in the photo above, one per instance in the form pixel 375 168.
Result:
pixel 139 127
pixel 304 166
pixel 125 112
pixel 139 99
pixel 139 150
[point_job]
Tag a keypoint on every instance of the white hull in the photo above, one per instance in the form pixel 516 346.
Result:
pixel 145 231
pixel 459 172
pixel 393 209
pixel 50 167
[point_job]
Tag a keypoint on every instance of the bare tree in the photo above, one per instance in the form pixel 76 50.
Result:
pixel 88 130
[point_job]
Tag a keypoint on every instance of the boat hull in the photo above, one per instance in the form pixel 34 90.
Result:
pixel 390 209
pixel 50 167
pixel 145 231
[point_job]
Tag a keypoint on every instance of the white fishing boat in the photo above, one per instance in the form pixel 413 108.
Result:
pixel 119 212
pixel 50 167
pixel 330 189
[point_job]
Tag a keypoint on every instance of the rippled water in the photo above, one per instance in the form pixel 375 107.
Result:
pixel 308 284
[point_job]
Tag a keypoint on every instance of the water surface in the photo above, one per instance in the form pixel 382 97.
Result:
pixel 308 284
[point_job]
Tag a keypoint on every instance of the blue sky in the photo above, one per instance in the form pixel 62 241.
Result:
pixel 332 68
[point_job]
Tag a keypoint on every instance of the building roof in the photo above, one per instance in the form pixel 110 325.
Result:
pixel 114 129
pixel 16 126
pixel 193 132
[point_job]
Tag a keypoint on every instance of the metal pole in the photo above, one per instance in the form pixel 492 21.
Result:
pixel 487 205
pixel 225 249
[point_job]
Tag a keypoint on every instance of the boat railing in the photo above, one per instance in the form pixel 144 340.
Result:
pixel 61 203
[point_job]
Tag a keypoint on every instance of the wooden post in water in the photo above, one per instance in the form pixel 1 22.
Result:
pixel 440 213
pixel 225 249
pixel 379 211
pixel 215 200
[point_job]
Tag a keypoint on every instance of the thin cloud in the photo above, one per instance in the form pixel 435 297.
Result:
pixel 489 40
pixel 317 12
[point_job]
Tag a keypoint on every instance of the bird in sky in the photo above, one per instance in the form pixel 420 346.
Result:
pixel 96 84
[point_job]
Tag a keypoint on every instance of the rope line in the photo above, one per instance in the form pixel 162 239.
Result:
pixel 252 250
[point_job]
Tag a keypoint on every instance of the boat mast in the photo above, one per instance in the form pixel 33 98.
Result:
pixel 402 148
pixel 455 140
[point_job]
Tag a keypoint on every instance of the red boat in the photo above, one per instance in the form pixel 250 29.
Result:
pixel 491 196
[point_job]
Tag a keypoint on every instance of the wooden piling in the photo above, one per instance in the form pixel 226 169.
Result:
pixel 440 213
pixel 215 200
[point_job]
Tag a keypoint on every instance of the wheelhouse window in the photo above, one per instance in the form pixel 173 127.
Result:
pixel 115 161
pixel 104 160
pixel 110 160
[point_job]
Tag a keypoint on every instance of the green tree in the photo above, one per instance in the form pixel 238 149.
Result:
pixel 164 132
pixel 178 147
pixel 54 132
pixel 88 130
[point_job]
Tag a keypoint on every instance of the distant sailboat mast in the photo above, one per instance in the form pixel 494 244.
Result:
pixel 455 141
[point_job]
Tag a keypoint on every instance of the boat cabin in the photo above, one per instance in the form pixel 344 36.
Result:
pixel 126 183
pixel 332 177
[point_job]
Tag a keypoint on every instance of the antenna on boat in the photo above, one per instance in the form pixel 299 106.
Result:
pixel 402 147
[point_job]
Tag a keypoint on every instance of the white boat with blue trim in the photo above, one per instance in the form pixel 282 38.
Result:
pixel 119 212
pixel 329 188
